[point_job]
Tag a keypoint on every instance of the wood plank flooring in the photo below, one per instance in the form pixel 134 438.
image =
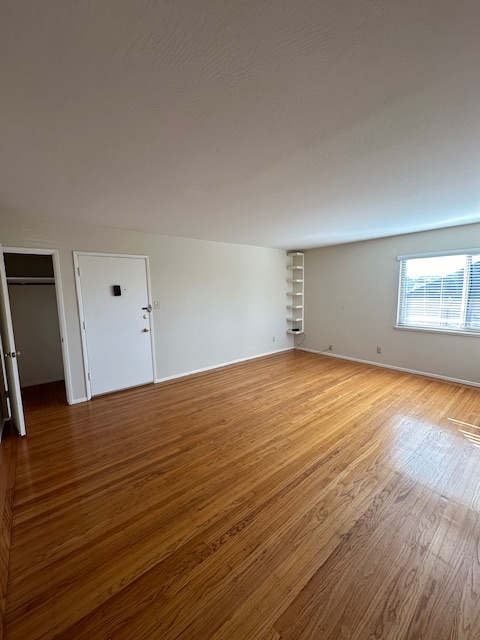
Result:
pixel 8 461
pixel 44 396
pixel 291 497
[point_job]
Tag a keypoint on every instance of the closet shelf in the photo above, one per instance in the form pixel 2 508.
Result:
pixel 29 280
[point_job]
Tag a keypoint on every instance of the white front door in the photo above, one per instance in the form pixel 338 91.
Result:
pixel 14 400
pixel 115 301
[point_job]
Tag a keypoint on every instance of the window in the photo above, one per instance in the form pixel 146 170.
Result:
pixel 440 292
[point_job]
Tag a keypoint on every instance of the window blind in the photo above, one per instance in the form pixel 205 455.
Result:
pixel 440 292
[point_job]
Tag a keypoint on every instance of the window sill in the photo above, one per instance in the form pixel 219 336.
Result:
pixel 451 332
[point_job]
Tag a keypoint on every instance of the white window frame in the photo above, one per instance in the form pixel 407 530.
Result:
pixel 438 254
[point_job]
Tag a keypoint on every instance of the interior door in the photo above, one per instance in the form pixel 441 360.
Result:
pixel 4 404
pixel 116 314
pixel 14 400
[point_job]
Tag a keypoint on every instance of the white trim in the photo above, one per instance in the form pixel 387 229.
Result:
pixel 399 294
pixel 30 251
pixel 78 286
pixel 152 323
pixel 62 323
pixel 389 366
pixel 63 327
pixel 102 254
pixel 223 364
pixel 438 254
pixel 79 400
pixel 451 332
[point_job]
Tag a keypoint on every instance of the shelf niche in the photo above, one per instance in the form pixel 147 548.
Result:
pixel 295 294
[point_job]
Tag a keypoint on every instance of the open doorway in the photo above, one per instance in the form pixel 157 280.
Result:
pixel 36 304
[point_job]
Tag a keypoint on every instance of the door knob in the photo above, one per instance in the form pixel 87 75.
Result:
pixel 145 330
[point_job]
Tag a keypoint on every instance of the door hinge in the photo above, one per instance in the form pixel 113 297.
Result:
pixel 78 270
pixel 83 322
pixel 88 374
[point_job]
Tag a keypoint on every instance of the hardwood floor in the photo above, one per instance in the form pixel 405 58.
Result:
pixel 8 461
pixel 43 396
pixel 292 497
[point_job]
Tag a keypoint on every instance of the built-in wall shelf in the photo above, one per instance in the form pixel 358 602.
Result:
pixel 295 263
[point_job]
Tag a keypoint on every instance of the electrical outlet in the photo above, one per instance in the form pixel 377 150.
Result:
pixel 379 349
pixel 330 347
pixel 273 339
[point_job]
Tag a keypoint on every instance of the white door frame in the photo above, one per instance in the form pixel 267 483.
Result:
pixel 60 308
pixel 86 367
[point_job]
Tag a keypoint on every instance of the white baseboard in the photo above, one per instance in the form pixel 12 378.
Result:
pixel 189 373
pixel 389 366
pixel 223 364
pixel 78 400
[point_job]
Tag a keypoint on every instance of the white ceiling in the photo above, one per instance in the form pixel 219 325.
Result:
pixel 282 123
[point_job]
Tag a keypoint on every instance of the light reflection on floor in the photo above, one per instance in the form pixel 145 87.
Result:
pixel 465 424
pixel 441 461
pixel 474 438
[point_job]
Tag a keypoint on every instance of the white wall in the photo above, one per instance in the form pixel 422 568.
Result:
pixel 37 336
pixel 351 303
pixel 218 302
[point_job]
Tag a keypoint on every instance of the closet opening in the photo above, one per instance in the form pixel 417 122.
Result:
pixel 34 309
